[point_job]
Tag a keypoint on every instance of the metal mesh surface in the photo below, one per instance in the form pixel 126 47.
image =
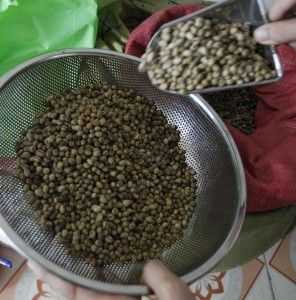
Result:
pixel 209 150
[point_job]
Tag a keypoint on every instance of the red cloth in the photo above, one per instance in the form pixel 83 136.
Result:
pixel 269 154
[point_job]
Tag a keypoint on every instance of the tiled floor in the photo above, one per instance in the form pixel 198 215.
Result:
pixel 272 276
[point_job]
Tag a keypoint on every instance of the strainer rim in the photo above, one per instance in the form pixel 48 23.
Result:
pixel 135 290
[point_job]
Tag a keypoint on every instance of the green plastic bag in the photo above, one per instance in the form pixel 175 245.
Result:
pixel 32 27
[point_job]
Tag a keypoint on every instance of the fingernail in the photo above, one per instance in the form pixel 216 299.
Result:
pixel 262 35
pixel 152 266
pixel 156 263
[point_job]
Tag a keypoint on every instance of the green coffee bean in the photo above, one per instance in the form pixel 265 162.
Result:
pixel 102 185
pixel 195 45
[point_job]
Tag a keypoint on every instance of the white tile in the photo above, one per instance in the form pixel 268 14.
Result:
pixel 284 288
pixel 269 253
pixel 25 288
pixel 261 289
pixel 231 285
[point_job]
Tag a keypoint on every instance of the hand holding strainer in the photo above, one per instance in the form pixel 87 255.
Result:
pixel 209 149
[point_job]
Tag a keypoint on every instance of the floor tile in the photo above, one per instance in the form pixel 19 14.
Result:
pixel 270 252
pixel 282 268
pixel 284 289
pixel 253 278
pixel 219 286
pixel 284 258
pixel 262 289
pixel 25 286
pixel 236 284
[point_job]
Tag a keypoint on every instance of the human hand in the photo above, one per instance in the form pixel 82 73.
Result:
pixel 279 31
pixel 162 282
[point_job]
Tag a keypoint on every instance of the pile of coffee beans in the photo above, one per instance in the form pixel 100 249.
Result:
pixel 103 171
pixel 204 53
pixel 236 107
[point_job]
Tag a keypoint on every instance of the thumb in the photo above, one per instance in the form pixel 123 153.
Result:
pixel 277 32
pixel 165 284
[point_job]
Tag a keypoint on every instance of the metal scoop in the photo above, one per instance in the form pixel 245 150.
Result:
pixel 252 13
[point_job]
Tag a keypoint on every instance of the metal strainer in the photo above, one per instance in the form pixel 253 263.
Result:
pixel 209 147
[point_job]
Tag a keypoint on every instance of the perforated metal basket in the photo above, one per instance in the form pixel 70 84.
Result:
pixel 209 147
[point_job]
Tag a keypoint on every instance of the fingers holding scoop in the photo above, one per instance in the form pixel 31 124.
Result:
pixel 279 31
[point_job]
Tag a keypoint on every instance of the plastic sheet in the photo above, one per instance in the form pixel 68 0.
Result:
pixel 32 27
